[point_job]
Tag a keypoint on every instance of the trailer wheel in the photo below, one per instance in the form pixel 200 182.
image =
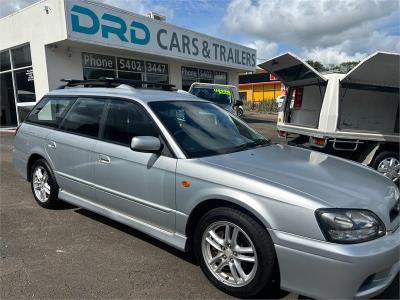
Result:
pixel 388 164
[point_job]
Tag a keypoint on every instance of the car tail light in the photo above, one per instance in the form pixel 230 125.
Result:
pixel 298 98
pixel 282 133
pixel 320 142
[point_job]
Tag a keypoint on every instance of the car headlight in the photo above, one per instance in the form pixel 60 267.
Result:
pixel 349 226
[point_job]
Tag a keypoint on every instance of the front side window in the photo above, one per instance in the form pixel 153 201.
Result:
pixel 84 117
pixel 126 120
pixel 203 129
pixel 49 111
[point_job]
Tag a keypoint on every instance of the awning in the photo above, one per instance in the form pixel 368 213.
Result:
pixel 379 69
pixel 292 71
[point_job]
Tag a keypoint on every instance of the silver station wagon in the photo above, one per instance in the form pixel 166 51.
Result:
pixel 198 178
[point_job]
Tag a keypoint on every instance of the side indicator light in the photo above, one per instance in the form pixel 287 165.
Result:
pixel 185 183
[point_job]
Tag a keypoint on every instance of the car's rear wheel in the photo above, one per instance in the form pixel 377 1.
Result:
pixel 388 164
pixel 44 185
pixel 235 252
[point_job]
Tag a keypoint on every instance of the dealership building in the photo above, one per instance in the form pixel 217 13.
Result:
pixel 55 39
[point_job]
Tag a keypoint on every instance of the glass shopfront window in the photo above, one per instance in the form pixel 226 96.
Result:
pixel 220 77
pixel 21 56
pixel 97 65
pixel 5 62
pixel 157 72
pixel 24 85
pixel 8 115
pixel 17 93
pixel 190 75
pixel 91 73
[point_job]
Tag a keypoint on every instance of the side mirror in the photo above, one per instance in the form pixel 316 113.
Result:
pixel 149 144
pixel 239 103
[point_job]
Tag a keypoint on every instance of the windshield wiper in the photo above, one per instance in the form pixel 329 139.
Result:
pixel 252 144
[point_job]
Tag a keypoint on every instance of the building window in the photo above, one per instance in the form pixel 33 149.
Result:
pixel 24 85
pixel 220 77
pixel 129 68
pixel 190 75
pixel 206 76
pixel 8 114
pixel 157 72
pixel 97 66
pixel 5 62
pixel 91 73
pixel 17 85
pixel 21 57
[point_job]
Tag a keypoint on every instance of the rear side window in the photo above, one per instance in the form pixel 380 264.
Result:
pixel 49 111
pixel 126 120
pixel 84 117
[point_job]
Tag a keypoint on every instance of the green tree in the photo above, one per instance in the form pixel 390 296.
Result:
pixel 345 67
pixel 316 65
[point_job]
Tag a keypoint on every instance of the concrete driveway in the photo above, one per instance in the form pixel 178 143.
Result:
pixel 73 253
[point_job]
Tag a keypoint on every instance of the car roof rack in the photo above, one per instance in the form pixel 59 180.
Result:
pixel 115 82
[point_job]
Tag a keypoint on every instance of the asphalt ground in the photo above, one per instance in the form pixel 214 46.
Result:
pixel 71 253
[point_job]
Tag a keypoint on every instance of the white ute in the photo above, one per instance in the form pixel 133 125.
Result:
pixel 353 115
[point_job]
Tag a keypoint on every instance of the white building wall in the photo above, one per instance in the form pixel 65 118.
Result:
pixel 43 26
pixel 35 26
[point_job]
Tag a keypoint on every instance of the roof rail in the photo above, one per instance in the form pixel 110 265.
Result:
pixel 114 82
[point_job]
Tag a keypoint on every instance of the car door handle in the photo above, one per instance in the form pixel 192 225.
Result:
pixel 104 159
pixel 52 144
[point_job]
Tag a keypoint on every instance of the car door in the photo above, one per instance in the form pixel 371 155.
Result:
pixel 136 184
pixel 71 148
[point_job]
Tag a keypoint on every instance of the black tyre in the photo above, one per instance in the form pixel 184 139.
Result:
pixel 235 252
pixel 44 185
pixel 388 164
pixel 239 112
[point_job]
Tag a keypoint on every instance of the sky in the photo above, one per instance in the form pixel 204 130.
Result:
pixel 330 31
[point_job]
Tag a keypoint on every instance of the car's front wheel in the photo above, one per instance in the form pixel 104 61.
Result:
pixel 235 252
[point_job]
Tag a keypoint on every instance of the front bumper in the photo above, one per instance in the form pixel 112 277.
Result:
pixel 319 269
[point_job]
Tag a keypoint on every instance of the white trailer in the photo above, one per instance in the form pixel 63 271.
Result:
pixel 353 115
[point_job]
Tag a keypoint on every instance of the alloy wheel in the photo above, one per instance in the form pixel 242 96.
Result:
pixel 390 167
pixel 41 184
pixel 229 253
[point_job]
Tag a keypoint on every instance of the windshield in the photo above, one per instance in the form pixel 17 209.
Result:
pixel 203 129
pixel 220 96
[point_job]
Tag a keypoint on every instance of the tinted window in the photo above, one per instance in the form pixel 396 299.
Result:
pixel 25 86
pixel 8 115
pixel 5 63
pixel 50 111
pixel 84 117
pixel 23 112
pixel 124 121
pixel 91 73
pixel 21 56
pixel 221 95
